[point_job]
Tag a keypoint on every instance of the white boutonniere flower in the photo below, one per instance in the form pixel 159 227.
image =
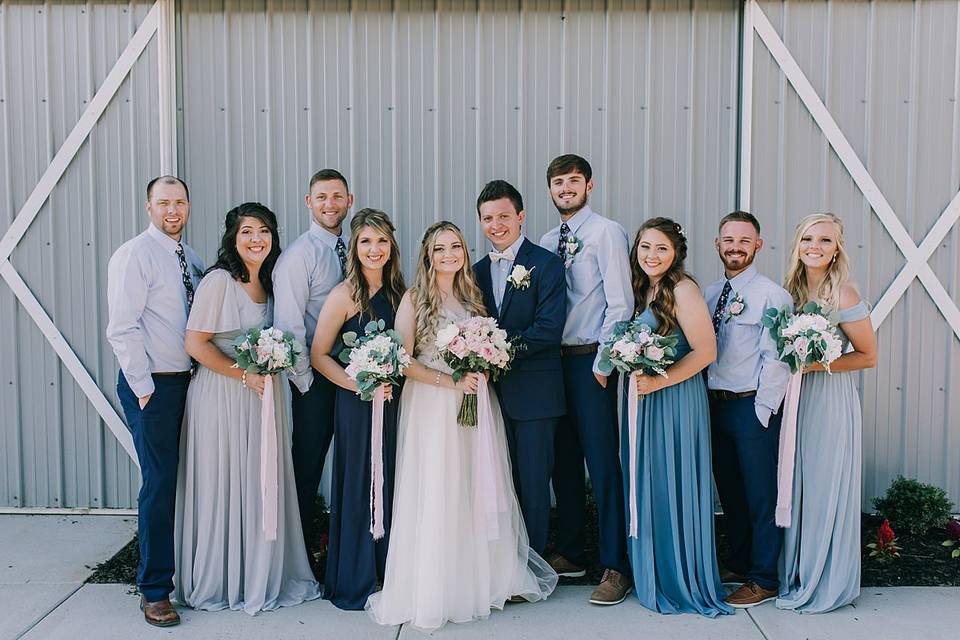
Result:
pixel 574 246
pixel 520 276
pixel 736 307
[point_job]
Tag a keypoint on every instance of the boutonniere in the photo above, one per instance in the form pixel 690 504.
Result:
pixel 735 307
pixel 574 246
pixel 520 276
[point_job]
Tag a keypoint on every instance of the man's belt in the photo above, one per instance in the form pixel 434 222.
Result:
pixel 720 394
pixel 171 373
pixel 579 349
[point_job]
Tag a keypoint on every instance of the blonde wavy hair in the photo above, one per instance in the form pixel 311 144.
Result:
pixel 393 285
pixel 425 293
pixel 838 272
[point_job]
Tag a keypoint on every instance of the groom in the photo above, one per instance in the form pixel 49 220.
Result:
pixel 523 284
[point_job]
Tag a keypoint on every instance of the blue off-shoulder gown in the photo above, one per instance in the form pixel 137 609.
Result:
pixel 673 557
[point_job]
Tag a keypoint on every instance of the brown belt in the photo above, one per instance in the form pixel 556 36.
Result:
pixel 720 394
pixel 579 349
pixel 171 373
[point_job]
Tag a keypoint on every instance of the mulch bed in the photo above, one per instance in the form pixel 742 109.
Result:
pixel 923 561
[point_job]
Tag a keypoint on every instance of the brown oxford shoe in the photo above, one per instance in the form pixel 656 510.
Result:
pixel 613 588
pixel 565 568
pixel 750 594
pixel 160 613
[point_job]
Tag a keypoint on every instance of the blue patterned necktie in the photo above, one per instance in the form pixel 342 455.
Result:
pixel 185 274
pixel 342 255
pixel 562 245
pixel 721 306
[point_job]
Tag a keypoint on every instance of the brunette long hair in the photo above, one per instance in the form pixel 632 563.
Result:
pixel 664 302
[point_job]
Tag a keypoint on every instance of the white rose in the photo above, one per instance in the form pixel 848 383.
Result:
pixel 626 350
pixel 446 334
pixel 519 273
pixel 802 346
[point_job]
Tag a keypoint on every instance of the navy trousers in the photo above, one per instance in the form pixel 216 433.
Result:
pixel 745 469
pixel 590 431
pixel 312 432
pixel 531 445
pixel 156 436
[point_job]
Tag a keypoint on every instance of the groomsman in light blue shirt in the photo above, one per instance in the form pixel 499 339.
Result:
pixel 746 386
pixel 303 277
pixel 599 294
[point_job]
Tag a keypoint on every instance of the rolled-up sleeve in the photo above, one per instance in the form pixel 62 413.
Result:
pixel 614 265
pixel 291 291
pixel 774 374
pixel 126 299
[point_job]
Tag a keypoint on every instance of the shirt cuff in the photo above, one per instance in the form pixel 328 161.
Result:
pixel 142 388
pixel 303 380
pixel 763 414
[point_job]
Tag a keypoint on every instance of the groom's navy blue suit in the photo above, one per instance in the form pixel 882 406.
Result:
pixel 532 392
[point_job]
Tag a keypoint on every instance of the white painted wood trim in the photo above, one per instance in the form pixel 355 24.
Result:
pixel 745 166
pixel 80 131
pixel 917 265
pixel 167 81
pixel 70 360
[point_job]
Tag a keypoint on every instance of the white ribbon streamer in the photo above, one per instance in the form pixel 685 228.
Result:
pixel 633 403
pixel 376 466
pixel 268 461
pixel 787 453
pixel 486 463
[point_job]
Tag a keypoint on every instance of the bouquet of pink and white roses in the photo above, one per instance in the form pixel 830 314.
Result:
pixel 375 358
pixel 804 338
pixel 635 347
pixel 267 351
pixel 474 345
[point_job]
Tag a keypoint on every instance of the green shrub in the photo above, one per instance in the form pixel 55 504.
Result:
pixel 914 507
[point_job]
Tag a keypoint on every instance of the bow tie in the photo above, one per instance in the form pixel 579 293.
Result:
pixel 497 256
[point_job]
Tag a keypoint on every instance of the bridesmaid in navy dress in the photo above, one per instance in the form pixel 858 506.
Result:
pixel 371 290
pixel 671 546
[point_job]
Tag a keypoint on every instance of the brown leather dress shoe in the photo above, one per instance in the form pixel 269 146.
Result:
pixel 565 568
pixel 727 577
pixel 750 594
pixel 613 588
pixel 160 613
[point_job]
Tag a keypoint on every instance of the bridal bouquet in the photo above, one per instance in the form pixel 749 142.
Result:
pixel 375 358
pixel 474 345
pixel 804 338
pixel 267 351
pixel 635 347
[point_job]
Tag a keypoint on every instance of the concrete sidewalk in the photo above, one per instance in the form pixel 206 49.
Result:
pixel 44 559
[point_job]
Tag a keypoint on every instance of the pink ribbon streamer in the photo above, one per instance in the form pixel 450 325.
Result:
pixel 376 466
pixel 633 403
pixel 268 460
pixel 787 451
pixel 486 463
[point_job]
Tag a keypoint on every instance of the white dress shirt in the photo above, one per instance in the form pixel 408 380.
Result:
pixel 746 353
pixel 599 293
pixel 147 304
pixel 305 274
pixel 500 271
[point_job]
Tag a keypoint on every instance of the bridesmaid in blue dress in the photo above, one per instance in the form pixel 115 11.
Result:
pixel 371 290
pixel 820 565
pixel 672 554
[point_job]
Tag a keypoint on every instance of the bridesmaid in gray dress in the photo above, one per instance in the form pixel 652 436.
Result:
pixel 820 565
pixel 223 558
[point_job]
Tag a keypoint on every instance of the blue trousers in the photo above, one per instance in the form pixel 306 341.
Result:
pixel 156 436
pixel 312 432
pixel 590 431
pixel 531 445
pixel 745 469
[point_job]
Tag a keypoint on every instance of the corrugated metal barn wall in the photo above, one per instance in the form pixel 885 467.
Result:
pixel 889 72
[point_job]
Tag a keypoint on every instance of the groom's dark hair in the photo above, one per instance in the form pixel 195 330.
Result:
pixel 496 189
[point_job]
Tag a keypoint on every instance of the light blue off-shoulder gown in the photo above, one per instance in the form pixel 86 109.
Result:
pixel 820 565
pixel 673 557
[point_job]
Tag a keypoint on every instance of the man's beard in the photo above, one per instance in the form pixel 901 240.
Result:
pixel 745 261
pixel 572 207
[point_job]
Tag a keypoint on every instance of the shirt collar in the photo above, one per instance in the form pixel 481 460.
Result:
pixel 515 247
pixel 325 236
pixel 742 279
pixel 165 241
pixel 576 220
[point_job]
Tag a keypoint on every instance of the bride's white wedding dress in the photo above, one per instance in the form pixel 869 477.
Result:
pixel 448 559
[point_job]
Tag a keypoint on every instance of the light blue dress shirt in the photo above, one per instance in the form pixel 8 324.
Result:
pixel 746 354
pixel 148 309
pixel 500 271
pixel 599 293
pixel 305 274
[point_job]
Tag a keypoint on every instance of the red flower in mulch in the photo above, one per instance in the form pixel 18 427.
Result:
pixel 885 548
pixel 953 537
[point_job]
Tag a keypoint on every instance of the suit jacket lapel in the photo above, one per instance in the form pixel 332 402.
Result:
pixel 482 273
pixel 521 259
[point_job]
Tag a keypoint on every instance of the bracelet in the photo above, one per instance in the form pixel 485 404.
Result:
pixel 243 378
pixel 437 380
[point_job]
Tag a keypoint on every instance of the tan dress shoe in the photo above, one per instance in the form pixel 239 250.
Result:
pixel 750 594
pixel 613 588
pixel 160 613
pixel 565 568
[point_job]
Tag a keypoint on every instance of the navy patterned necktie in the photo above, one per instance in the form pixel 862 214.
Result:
pixel 185 274
pixel 342 255
pixel 721 306
pixel 562 244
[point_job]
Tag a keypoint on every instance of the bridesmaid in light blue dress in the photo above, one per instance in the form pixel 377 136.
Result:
pixel 820 565
pixel 672 551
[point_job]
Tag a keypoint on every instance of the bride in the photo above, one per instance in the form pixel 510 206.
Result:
pixel 441 565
